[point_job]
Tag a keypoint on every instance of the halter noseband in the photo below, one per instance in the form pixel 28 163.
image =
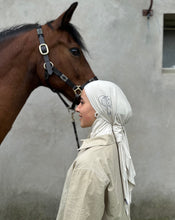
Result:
pixel 50 70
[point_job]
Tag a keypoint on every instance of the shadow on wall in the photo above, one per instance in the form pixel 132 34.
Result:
pixel 155 209
pixel 29 206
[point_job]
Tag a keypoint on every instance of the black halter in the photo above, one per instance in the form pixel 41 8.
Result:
pixel 50 70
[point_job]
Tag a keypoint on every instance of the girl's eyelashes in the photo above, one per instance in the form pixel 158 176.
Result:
pixel 81 101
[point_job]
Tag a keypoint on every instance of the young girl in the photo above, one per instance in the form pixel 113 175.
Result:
pixel 99 182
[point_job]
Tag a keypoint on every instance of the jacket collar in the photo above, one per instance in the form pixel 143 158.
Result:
pixel 97 141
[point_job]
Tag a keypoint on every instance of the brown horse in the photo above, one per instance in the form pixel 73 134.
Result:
pixel 21 64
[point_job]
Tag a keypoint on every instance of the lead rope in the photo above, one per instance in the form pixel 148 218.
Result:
pixel 70 110
pixel 75 129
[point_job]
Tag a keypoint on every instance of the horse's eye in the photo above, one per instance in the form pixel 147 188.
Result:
pixel 75 51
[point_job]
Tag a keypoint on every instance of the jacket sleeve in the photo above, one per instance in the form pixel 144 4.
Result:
pixel 85 197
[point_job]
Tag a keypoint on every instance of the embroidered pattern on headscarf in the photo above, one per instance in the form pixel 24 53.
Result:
pixel 105 101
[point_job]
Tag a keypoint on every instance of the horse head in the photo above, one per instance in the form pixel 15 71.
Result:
pixel 66 47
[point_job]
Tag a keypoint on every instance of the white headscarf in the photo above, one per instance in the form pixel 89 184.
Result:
pixel 113 112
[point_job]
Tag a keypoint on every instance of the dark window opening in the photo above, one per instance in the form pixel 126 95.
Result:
pixel 169 41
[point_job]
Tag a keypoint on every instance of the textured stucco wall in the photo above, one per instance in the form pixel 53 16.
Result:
pixel 125 48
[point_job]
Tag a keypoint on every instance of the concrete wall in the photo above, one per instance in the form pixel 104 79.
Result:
pixel 125 48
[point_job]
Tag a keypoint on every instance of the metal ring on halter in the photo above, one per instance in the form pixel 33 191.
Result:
pixel 43 49
pixel 77 90
pixel 44 65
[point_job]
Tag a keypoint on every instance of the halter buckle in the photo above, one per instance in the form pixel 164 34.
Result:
pixel 77 90
pixel 43 49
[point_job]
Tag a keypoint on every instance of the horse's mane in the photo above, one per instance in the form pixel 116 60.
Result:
pixel 15 30
pixel 18 29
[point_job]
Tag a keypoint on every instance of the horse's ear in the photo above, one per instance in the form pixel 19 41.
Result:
pixel 65 18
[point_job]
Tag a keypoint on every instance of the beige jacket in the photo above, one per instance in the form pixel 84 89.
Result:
pixel 93 189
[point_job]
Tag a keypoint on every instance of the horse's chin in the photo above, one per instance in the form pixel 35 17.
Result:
pixel 70 97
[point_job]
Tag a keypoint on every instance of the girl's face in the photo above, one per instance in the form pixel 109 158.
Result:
pixel 86 111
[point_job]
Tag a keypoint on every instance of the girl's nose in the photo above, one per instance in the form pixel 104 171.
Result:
pixel 77 108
